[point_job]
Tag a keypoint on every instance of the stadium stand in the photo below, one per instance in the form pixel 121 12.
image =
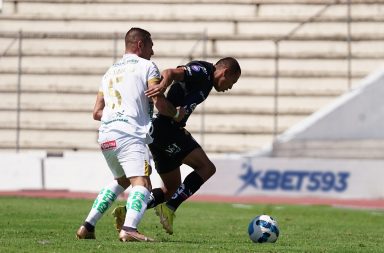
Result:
pixel 349 127
pixel 66 46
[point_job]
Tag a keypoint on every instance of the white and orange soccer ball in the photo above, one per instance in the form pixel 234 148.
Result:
pixel 263 228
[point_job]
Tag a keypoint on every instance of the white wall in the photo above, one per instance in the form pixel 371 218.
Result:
pixel 235 176
pixel 20 171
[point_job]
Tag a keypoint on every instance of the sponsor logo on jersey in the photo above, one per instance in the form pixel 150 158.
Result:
pixel 193 107
pixel 108 145
pixel 173 149
pixel 195 68
pixel 188 70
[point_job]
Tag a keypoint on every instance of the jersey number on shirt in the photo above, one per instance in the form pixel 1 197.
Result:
pixel 113 93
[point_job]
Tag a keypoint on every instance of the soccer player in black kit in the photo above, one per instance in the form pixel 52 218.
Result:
pixel 173 145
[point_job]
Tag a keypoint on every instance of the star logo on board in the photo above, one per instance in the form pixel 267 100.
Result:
pixel 249 178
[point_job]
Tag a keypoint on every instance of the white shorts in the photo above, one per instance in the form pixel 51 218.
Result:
pixel 126 156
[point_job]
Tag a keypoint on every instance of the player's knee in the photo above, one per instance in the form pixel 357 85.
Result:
pixel 211 169
pixel 124 182
pixel 206 170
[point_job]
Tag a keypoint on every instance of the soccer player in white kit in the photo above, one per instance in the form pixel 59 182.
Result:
pixel 125 114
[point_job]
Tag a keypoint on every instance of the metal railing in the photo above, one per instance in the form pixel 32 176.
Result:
pixel 288 36
pixel 18 39
pixel 201 38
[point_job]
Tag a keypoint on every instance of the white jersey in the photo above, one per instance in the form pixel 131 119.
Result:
pixel 127 110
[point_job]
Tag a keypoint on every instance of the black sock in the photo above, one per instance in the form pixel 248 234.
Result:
pixel 89 227
pixel 156 197
pixel 191 184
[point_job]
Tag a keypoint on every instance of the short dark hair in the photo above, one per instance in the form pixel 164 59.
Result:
pixel 135 34
pixel 231 63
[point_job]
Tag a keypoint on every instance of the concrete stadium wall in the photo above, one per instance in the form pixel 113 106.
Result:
pixel 349 127
pixel 235 176
pixel 59 80
pixel 358 114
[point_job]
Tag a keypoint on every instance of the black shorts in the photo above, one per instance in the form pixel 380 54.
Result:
pixel 171 145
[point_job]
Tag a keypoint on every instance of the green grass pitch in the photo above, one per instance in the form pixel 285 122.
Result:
pixel 49 225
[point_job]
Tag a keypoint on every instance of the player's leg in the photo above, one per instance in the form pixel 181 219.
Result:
pixel 188 151
pixel 135 208
pixel 134 160
pixel 167 166
pixel 199 161
pixel 171 181
pixel 203 170
pixel 101 204
pixel 105 198
pixel 119 212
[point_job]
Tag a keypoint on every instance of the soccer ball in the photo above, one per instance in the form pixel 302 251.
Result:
pixel 263 228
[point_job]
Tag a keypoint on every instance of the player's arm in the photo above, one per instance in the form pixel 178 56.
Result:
pixel 164 106
pixel 168 76
pixel 99 106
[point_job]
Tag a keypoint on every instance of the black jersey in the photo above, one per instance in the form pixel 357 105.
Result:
pixel 171 142
pixel 194 89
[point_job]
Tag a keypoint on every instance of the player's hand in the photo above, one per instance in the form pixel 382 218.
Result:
pixel 181 115
pixel 155 90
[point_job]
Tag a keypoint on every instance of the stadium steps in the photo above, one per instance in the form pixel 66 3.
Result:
pixel 246 45
pixel 49 140
pixel 250 67
pixel 78 140
pixel 167 8
pixel 222 104
pixel 52 77
pixel 229 17
pixel 70 17
pixel 247 85
pixel 52 130
pixel 51 120
pixel 60 120
pixel 213 28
